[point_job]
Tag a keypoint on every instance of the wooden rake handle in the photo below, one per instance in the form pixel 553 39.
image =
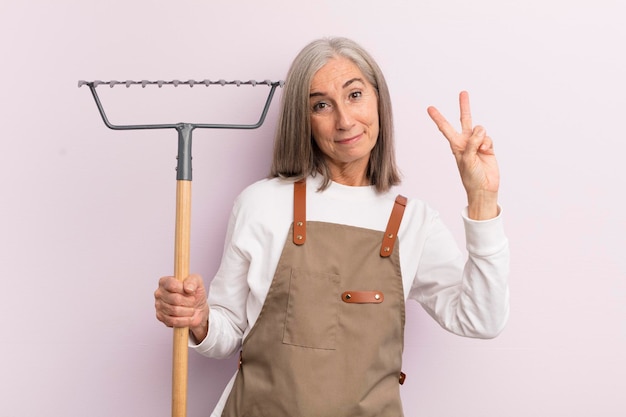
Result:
pixel 182 245
pixel 181 271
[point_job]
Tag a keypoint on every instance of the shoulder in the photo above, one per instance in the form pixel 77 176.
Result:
pixel 419 216
pixel 264 199
pixel 420 209
pixel 264 191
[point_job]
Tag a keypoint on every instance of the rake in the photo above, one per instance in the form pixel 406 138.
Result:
pixel 183 201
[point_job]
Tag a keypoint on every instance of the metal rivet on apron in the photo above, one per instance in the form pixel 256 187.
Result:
pixel 299 224
pixel 299 237
pixel 387 249
pixel 390 235
pixel 348 296
pixel 377 296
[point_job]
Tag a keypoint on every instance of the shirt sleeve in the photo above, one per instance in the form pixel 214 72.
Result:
pixel 466 295
pixel 228 293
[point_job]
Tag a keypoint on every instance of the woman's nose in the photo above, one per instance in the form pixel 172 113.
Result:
pixel 344 119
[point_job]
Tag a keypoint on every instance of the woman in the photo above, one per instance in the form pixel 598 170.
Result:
pixel 319 318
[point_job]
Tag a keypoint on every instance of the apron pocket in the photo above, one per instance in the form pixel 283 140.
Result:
pixel 312 310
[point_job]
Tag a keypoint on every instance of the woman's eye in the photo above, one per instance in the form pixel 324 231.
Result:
pixel 356 94
pixel 319 106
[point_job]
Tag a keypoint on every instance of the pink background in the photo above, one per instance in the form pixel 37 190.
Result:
pixel 87 213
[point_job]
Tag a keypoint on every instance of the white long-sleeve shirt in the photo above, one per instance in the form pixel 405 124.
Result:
pixel 467 295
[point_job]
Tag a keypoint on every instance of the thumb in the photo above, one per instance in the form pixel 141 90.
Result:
pixel 192 283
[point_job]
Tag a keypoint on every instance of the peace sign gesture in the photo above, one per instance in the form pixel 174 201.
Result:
pixel 475 158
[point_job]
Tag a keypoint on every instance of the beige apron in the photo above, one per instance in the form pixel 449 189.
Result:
pixel 328 341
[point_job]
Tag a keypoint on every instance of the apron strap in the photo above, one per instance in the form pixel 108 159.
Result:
pixel 299 219
pixel 391 233
pixel 299 212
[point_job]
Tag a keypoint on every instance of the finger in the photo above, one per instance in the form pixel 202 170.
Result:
pixel 174 317
pixel 476 140
pixel 193 283
pixel 181 300
pixel 487 146
pixel 171 284
pixel 177 307
pixel 466 113
pixel 442 124
pixel 165 309
pixel 170 300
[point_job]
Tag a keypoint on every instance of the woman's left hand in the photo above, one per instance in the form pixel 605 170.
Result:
pixel 476 160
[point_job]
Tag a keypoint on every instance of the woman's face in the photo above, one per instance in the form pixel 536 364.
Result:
pixel 344 118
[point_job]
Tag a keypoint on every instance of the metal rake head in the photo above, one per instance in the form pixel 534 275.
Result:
pixel 184 129
pixel 176 83
pixel 160 83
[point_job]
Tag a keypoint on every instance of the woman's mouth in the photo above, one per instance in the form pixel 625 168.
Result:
pixel 348 141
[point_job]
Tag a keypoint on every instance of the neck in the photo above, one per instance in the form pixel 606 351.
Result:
pixel 349 176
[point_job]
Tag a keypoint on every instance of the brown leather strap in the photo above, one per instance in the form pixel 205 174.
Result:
pixel 391 233
pixel 299 212
pixel 363 297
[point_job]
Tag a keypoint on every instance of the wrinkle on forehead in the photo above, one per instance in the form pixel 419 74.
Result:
pixel 337 72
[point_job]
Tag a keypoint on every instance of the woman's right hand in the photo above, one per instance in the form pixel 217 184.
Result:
pixel 475 158
pixel 183 304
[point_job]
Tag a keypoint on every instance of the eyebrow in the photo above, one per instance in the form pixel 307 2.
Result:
pixel 346 84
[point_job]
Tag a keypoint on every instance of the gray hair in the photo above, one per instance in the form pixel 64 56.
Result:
pixel 295 153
